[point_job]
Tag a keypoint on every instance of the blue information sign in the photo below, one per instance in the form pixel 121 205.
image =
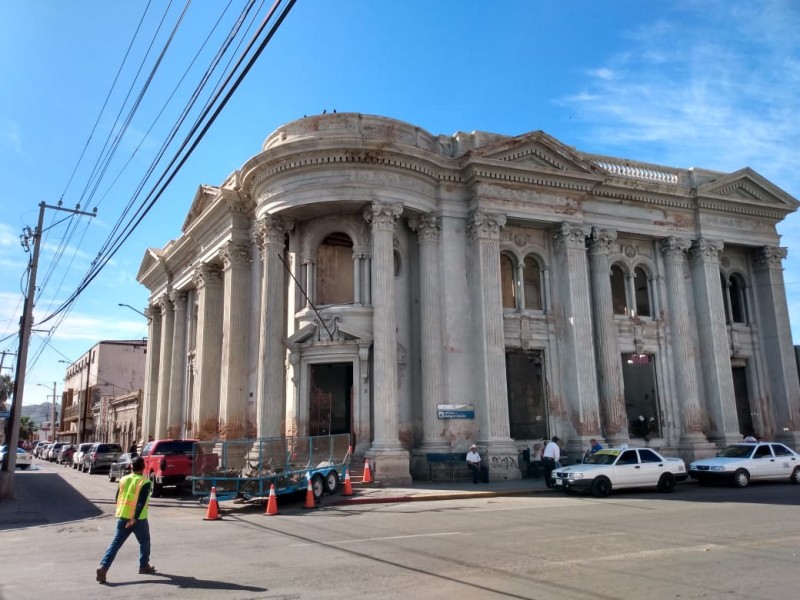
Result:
pixel 456 411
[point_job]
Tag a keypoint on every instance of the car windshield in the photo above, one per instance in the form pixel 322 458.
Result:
pixel 176 447
pixel 737 452
pixel 602 458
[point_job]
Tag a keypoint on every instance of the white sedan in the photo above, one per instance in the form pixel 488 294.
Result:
pixel 741 463
pixel 618 468
pixel 23 457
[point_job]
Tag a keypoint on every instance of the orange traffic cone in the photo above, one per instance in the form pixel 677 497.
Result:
pixel 272 502
pixel 310 501
pixel 212 514
pixel 348 486
pixel 367 473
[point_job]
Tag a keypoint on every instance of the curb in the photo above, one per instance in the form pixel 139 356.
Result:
pixel 434 497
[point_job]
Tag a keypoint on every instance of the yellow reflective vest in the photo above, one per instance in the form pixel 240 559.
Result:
pixel 129 488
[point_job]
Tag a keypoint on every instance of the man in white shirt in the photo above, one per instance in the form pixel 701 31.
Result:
pixel 550 457
pixel 479 470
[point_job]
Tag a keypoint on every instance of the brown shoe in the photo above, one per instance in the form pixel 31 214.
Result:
pixel 147 570
pixel 101 575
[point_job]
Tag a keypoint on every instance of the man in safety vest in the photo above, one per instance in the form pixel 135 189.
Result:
pixel 132 497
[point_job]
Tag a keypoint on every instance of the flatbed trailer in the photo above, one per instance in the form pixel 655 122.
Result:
pixel 245 470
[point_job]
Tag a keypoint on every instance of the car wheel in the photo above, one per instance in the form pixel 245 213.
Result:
pixel 23 467
pixel 332 482
pixel 741 478
pixel 111 478
pixel 89 469
pixel 667 483
pixel 601 487
pixel 317 486
pixel 795 478
pixel 154 487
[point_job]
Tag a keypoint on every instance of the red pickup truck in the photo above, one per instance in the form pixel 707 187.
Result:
pixel 169 463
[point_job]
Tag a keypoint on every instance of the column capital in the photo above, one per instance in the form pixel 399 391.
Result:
pixel 178 298
pixel 674 248
pixel 484 225
pixel 383 215
pixel 706 250
pixel 164 303
pixel 206 274
pixel 152 311
pixel 234 254
pixel 271 230
pixel 600 240
pixel 427 226
pixel 571 236
pixel 769 257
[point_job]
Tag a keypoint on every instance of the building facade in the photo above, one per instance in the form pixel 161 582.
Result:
pixel 423 292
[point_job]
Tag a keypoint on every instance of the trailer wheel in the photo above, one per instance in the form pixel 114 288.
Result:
pixel 317 486
pixel 332 482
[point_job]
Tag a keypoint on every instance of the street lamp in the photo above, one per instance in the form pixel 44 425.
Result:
pixel 134 309
pixel 52 409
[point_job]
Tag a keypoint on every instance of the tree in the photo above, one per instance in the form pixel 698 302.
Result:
pixel 6 388
pixel 26 428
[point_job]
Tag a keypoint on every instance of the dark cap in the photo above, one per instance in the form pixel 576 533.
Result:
pixel 137 464
pixel 556 439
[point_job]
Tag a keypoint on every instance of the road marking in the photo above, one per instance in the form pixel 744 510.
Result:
pixel 380 539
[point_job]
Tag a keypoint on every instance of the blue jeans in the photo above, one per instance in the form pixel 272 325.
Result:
pixel 142 532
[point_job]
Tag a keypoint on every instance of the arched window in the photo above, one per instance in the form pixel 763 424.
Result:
pixel 335 270
pixel 532 284
pixel 736 289
pixel 618 297
pixel 642 291
pixel 507 281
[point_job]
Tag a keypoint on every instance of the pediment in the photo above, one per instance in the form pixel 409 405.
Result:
pixel 151 259
pixel 537 150
pixel 748 186
pixel 329 329
pixel 202 199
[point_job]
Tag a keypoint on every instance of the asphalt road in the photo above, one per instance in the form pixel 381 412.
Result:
pixel 699 542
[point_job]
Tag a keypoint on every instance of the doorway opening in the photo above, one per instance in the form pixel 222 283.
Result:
pixel 743 411
pixel 527 407
pixel 641 397
pixel 330 404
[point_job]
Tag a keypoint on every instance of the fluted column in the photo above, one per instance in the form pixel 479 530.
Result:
pixel 177 380
pixel 270 236
pixel 674 251
pixel 205 404
pixel 428 228
pixel 580 377
pixel 164 365
pixel 776 341
pixel 235 258
pixel 383 218
pixel 150 400
pixel 609 370
pixel 713 341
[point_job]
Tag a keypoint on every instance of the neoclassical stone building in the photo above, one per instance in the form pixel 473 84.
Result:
pixel 423 292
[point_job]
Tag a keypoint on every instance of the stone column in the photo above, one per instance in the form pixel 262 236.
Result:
pixel 150 400
pixel 309 265
pixel 713 342
pixel 164 365
pixel 235 258
pixel 483 231
pixel 692 440
pixel 177 380
pixel 428 228
pixel 270 236
pixel 776 341
pixel 205 404
pixel 391 460
pixel 609 369
pixel 579 352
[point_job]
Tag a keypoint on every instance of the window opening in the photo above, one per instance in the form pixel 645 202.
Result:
pixel 507 280
pixel 641 284
pixel 532 284
pixel 736 291
pixel 335 270
pixel 618 297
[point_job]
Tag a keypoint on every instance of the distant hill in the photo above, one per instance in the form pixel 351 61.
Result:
pixel 39 413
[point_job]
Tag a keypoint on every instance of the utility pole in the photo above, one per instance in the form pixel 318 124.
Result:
pixel 26 324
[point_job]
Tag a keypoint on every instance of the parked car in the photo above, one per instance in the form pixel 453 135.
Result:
pixel 100 456
pixel 171 462
pixel 24 457
pixel 121 467
pixel 618 468
pixel 52 453
pixel 42 452
pixel 740 464
pixel 80 452
pixel 36 447
pixel 65 455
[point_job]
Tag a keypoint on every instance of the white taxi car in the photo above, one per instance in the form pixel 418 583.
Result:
pixel 618 468
pixel 23 457
pixel 741 463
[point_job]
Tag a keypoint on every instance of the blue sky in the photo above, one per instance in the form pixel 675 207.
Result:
pixel 682 83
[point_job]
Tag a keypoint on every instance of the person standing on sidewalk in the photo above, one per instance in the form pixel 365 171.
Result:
pixel 133 495
pixel 550 460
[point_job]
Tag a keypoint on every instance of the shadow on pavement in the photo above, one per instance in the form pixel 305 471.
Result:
pixel 191 583
pixel 42 498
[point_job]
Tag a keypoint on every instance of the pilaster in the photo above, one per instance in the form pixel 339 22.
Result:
pixel 205 405
pixel 177 388
pixel 150 399
pixel 164 365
